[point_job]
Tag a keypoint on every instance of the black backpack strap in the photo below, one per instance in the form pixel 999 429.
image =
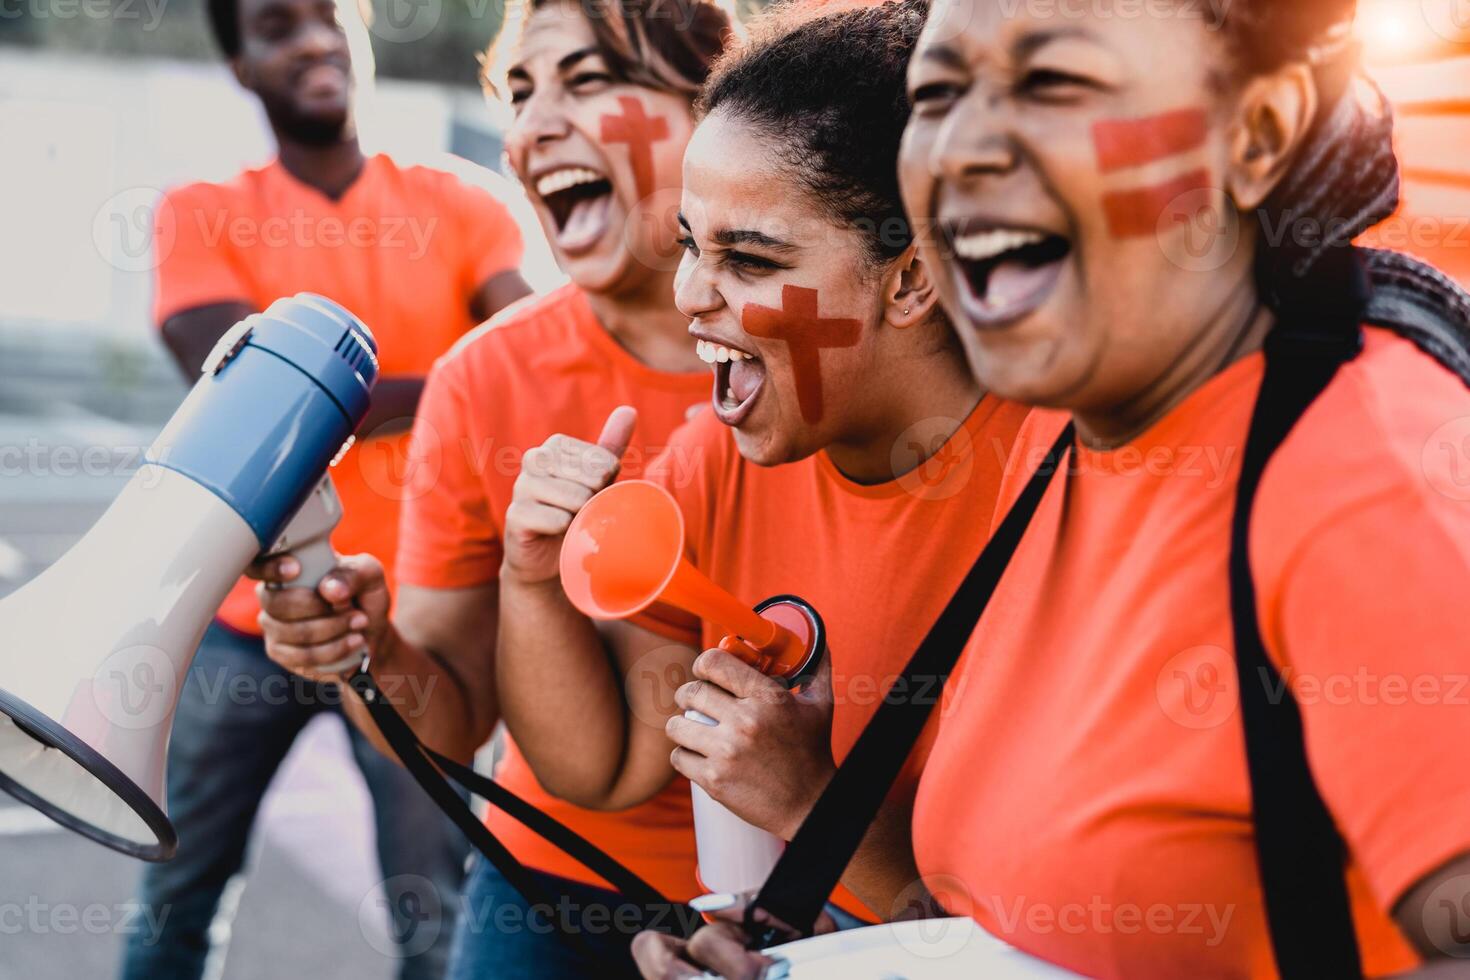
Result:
pixel 1300 856
pixel 810 868
pixel 1419 302
pixel 429 769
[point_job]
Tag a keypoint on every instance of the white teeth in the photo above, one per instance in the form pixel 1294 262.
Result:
pixel 988 244
pixel 711 353
pixel 560 180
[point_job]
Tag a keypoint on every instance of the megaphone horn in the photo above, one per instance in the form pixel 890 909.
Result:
pixel 94 651
pixel 624 552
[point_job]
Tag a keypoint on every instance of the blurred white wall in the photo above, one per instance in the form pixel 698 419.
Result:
pixel 90 142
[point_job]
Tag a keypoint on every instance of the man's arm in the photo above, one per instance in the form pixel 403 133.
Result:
pixel 496 293
pixel 191 334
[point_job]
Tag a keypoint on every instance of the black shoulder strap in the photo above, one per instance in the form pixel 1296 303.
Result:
pixel 1299 853
pixel 809 869
pixel 428 768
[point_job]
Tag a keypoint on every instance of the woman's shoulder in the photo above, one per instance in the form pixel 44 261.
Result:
pixel 1389 438
pixel 542 324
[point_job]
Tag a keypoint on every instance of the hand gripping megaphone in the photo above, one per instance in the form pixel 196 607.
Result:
pixel 623 552
pixel 94 651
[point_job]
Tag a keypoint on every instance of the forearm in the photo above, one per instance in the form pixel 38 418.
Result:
pixel 883 872
pixel 429 695
pixel 394 404
pixel 560 695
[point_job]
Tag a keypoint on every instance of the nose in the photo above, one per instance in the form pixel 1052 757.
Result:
pixel 694 290
pixel 318 39
pixel 974 139
pixel 540 121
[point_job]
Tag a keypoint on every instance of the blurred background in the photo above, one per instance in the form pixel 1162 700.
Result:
pixel 104 103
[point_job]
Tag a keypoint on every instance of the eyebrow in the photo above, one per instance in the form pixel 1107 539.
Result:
pixel 567 61
pixel 749 236
pixel 564 64
pixel 1029 44
pixel 1023 48
pixel 743 236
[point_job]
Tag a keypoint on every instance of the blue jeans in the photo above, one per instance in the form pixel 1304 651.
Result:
pixel 238 715
pixel 501 937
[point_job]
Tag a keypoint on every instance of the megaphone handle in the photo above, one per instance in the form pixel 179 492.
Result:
pixel 308 539
pixel 317 559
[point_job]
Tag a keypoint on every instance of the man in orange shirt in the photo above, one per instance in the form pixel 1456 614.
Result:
pixel 421 257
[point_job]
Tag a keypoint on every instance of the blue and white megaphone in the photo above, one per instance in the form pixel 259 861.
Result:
pixel 94 651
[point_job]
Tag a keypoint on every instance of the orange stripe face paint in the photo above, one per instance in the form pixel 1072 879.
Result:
pixel 1128 144
pixel 805 334
pixel 1139 213
pixel 1124 143
pixel 640 131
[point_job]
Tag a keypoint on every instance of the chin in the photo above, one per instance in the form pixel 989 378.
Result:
pixel 598 273
pixel 760 449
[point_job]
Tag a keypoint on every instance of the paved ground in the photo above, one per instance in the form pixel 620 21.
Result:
pixel 63 899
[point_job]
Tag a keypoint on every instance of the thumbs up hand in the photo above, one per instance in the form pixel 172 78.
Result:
pixel 557 479
pixel 769 755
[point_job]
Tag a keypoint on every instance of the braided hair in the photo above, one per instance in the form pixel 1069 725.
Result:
pixel 1345 178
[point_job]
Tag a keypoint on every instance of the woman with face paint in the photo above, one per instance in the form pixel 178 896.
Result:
pixel 1093 183
pixel 602 97
pixel 849 456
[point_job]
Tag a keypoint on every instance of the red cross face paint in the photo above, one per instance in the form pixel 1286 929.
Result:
pixel 800 325
pixel 1140 210
pixel 635 127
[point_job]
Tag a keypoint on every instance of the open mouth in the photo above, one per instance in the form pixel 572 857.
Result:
pixel 740 377
pixel 578 199
pixel 1007 272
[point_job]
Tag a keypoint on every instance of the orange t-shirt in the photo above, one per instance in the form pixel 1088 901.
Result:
pixel 878 562
pixel 1087 797
pixel 405 248
pixel 542 367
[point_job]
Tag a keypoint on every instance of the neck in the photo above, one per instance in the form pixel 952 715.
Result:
pixel 940 389
pixel 1235 330
pixel 331 169
pixel 645 323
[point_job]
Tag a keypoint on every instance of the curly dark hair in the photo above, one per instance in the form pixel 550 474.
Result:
pixel 827 83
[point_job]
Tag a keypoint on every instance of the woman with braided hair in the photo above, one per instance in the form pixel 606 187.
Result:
pixel 1194 184
pixel 1133 217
